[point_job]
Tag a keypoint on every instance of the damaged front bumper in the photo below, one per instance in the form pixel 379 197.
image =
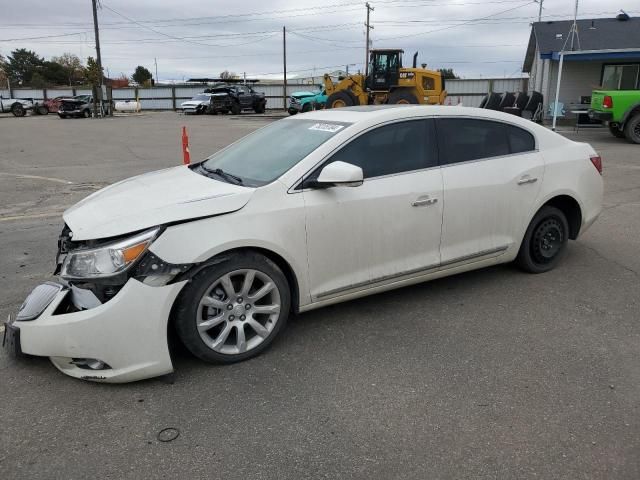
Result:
pixel 122 340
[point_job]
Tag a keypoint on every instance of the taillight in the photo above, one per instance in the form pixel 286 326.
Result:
pixel 607 102
pixel 597 162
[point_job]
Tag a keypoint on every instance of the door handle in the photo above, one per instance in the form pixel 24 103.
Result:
pixel 527 179
pixel 422 201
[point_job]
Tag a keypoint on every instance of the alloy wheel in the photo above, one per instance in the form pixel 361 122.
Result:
pixel 238 312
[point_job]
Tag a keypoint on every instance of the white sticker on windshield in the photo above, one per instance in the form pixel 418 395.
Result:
pixel 326 127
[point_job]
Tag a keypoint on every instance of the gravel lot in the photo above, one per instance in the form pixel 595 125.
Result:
pixel 489 374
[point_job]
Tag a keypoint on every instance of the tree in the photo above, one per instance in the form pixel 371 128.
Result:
pixel 52 73
pixel 226 75
pixel 92 72
pixel 141 75
pixel 38 80
pixel 22 64
pixel 3 72
pixel 73 66
pixel 447 73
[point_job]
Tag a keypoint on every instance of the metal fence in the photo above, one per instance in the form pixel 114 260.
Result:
pixel 469 92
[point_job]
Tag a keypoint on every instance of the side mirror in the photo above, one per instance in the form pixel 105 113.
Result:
pixel 340 174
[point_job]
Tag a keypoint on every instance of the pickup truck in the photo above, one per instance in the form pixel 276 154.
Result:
pixel 619 110
pixel 16 106
pixel 306 101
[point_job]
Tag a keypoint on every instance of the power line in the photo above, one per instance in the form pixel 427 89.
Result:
pixel 457 25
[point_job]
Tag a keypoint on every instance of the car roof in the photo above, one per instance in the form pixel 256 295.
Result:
pixel 380 113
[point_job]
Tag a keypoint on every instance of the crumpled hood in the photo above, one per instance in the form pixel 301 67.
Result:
pixel 304 94
pixel 151 199
pixel 193 103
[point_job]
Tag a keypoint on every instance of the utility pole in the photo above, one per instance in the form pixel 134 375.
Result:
pixel 98 56
pixel 574 27
pixel 540 10
pixel 155 61
pixel 369 27
pixel 284 67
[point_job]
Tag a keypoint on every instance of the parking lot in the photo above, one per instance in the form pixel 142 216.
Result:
pixel 489 374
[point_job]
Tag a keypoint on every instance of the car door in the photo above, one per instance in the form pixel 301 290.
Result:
pixel 491 173
pixel 388 227
pixel 244 97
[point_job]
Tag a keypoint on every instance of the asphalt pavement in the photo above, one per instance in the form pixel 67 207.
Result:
pixel 493 374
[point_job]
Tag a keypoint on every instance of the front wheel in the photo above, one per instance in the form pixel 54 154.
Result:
pixel 42 110
pixel 233 310
pixel 342 98
pixel 544 241
pixel 400 97
pixel 236 109
pixel 632 129
pixel 86 113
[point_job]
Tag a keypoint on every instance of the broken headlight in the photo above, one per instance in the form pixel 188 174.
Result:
pixel 107 260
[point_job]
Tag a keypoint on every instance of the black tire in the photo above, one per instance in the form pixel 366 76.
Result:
pixel 342 98
pixel 292 111
pixel 401 97
pixel 544 242
pixel 18 110
pixel 42 110
pixel 306 107
pixel 62 115
pixel 632 129
pixel 86 113
pixel 187 308
pixel 236 109
pixel 260 107
pixel 614 128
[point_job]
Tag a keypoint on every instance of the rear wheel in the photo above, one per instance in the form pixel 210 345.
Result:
pixel 260 107
pixel 342 98
pixel 42 110
pixel 632 129
pixel 545 241
pixel 401 97
pixel 18 110
pixel 614 128
pixel 233 310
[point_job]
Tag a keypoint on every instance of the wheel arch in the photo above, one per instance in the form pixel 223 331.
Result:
pixel 568 205
pixel 631 111
pixel 292 279
pixel 279 260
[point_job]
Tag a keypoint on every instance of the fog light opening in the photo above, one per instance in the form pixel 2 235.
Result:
pixel 90 364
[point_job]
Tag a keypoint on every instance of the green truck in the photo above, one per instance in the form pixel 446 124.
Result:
pixel 619 110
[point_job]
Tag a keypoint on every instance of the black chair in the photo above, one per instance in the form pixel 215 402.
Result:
pixel 507 100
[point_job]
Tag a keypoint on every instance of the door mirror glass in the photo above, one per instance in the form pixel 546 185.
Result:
pixel 340 174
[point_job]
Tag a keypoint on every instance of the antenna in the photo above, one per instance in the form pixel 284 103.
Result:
pixel 573 32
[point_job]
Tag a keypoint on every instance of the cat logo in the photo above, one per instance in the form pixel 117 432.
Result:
pixel 407 75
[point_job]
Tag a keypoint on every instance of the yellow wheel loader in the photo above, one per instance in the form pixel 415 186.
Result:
pixel 387 82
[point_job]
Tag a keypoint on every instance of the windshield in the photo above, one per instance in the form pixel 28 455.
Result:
pixel 201 97
pixel 266 154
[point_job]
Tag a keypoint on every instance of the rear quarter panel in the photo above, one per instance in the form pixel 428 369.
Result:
pixel 569 171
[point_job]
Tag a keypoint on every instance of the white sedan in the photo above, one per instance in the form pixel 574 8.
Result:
pixel 308 211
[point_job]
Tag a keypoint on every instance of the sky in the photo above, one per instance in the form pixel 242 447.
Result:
pixel 201 38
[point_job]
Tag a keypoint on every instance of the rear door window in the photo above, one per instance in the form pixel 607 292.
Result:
pixel 520 140
pixel 465 139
